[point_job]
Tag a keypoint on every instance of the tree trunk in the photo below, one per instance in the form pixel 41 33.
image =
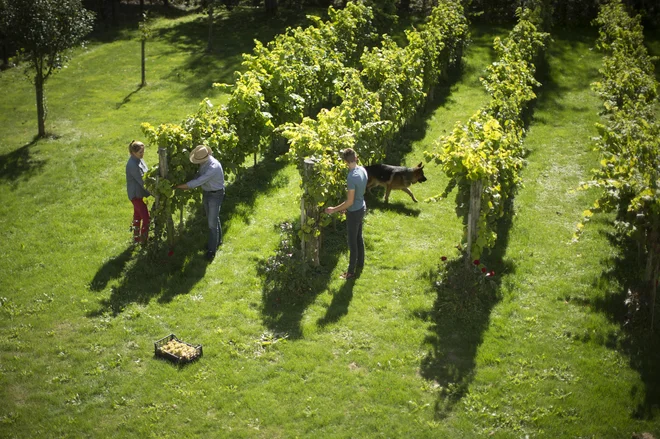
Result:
pixel 100 11
pixel 113 11
pixel 41 108
pixel 5 54
pixel 209 43
pixel 654 290
pixel 144 64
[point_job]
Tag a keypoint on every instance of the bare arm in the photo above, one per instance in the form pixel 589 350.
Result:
pixel 350 197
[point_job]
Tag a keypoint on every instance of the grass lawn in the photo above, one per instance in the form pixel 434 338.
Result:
pixel 413 348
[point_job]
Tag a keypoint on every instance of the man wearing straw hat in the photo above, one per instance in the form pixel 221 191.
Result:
pixel 212 180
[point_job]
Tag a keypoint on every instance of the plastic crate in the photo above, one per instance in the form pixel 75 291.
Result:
pixel 159 352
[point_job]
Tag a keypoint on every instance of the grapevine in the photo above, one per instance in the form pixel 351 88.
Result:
pixel 294 74
pixel 488 148
pixel 628 178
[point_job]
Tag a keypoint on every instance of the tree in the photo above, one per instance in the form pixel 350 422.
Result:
pixel 45 30
pixel 210 9
pixel 3 43
pixel 210 6
pixel 145 34
pixel 5 50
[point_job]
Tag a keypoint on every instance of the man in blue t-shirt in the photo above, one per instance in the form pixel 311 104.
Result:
pixel 355 208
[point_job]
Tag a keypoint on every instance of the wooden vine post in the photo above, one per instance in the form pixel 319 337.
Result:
pixel 310 245
pixel 473 217
pixel 162 169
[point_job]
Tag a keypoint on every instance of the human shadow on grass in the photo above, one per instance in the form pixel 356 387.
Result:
pixel 147 273
pixel 165 273
pixel 111 269
pixel 20 164
pixel 626 302
pixel 339 305
pixel 290 286
pixel 465 297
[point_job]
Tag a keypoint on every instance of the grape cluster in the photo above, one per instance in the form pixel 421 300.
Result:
pixel 179 349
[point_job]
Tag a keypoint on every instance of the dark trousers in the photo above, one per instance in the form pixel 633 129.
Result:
pixel 355 242
pixel 212 202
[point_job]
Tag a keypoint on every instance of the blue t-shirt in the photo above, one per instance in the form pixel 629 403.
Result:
pixel 357 181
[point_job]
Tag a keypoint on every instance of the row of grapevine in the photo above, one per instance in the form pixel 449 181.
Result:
pixel 629 174
pixel 295 74
pixel 283 82
pixel 483 157
pixel 375 103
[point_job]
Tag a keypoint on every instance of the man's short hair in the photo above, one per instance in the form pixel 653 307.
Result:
pixel 349 155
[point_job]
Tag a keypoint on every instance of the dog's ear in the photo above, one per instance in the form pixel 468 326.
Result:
pixel 421 165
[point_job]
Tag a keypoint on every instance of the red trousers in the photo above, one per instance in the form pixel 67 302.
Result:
pixel 140 220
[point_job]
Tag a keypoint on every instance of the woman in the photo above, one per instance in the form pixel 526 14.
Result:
pixel 135 169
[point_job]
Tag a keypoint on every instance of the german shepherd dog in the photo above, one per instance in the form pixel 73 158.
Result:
pixel 394 177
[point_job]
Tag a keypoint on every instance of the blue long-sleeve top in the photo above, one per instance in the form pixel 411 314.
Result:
pixel 211 177
pixel 135 169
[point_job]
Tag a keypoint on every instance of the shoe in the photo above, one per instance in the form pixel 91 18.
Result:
pixel 209 256
pixel 347 276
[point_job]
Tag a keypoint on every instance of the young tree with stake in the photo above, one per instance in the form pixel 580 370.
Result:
pixel 44 30
pixel 145 34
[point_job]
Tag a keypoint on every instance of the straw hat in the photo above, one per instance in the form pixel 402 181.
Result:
pixel 200 154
